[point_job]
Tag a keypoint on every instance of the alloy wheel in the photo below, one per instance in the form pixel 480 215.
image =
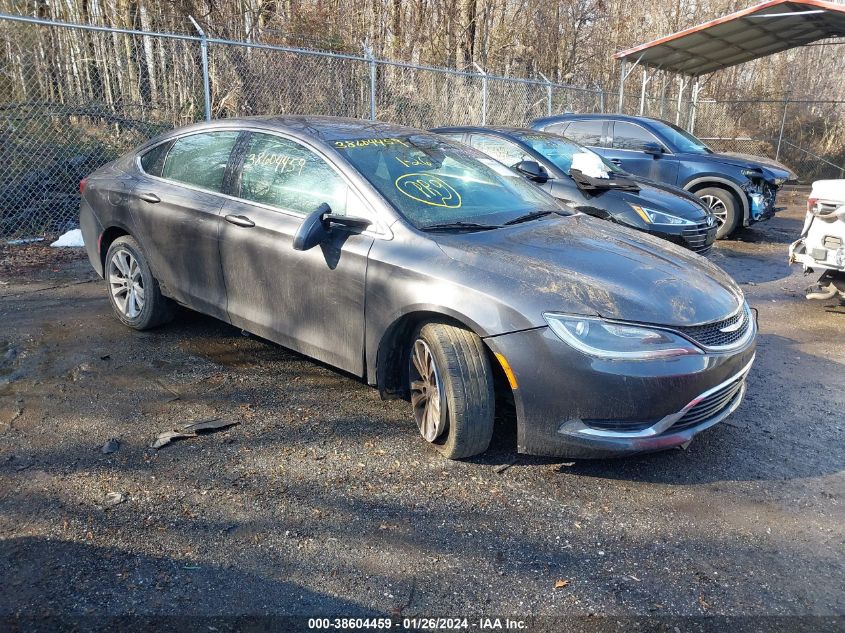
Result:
pixel 717 208
pixel 427 397
pixel 126 283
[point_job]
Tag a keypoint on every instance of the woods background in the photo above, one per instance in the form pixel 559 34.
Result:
pixel 71 99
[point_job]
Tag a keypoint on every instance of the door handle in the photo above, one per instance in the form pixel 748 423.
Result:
pixel 616 161
pixel 149 197
pixel 240 220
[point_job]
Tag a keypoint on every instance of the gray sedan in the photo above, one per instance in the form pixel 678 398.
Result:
pixel 430 271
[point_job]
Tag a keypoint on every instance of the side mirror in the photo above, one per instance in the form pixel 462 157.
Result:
pixel 653 148
pixel 317 226
pixel 313 229
pixel 532 170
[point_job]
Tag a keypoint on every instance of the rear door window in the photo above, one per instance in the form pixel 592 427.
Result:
pixel 589 132
pixel 152 161
pixel 502 150
pixel 282 173
pixel 632 137
pixel 558 128
pixel 200 159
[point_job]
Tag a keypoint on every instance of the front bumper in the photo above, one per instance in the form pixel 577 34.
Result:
pixel 574 406
pixel 698 238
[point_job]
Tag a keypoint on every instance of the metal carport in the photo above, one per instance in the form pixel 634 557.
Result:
pixel 761 30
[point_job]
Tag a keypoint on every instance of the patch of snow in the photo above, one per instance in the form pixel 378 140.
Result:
pixel 71 238
pixel 24 240
pixel 589 164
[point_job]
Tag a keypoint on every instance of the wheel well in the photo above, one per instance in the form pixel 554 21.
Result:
pixel 106 239
pixel 719 185
pixel 391 361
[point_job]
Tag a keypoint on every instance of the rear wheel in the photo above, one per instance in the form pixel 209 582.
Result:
pixel 133 291
pixel 723 205
pixel 451 385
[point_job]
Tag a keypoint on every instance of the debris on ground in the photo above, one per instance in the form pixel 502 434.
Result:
pixel 561 583
pixel 191 430
pixel 110 447
pixel 70 239
pixel 114 499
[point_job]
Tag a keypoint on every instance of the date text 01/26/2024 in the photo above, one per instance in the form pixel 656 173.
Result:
pixel 415 624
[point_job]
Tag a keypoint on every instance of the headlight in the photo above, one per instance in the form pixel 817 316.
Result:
pixel 650 216
pixel 603 339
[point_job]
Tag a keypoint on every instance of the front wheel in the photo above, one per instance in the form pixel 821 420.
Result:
pixel 723 205
pixel 451 385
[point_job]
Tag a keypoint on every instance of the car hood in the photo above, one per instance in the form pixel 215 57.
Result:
pixel 581 265
pixel 772 170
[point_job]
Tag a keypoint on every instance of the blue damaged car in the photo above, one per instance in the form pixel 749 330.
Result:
pixel 739 189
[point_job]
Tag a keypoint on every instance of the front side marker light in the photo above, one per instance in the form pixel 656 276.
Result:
pixel 508 371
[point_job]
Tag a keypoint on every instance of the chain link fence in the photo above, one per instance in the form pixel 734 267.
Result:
pixel 73 97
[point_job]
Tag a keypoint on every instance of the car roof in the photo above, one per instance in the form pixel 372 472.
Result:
pixel 592 116
pixel 324 128
pixel 500 129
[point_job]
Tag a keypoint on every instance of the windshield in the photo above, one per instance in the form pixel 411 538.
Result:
pixel 431 181
pixel 560 151
pixel 684 141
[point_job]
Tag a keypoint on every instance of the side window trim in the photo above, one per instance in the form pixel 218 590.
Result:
pixel 232 178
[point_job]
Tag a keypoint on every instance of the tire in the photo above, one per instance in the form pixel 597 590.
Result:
pixel 724 206
pixel 138 304
pixel 462 424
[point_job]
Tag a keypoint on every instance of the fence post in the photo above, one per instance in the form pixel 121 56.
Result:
pixel 368 53
pixel 205 82
pixel 548 94
pixel 782 125
pixel 601 100
pixel 483 93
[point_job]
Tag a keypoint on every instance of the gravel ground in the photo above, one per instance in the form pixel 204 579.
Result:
pixel 324 500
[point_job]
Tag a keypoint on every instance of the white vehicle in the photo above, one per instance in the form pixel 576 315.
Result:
pixel 822 243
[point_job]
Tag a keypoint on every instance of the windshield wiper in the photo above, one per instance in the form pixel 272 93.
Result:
pixel 529 216
pixel 460 226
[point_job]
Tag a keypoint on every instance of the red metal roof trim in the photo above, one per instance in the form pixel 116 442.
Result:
pixel 818 4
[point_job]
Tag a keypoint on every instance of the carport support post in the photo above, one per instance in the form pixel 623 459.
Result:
pixel 483 93
pixel 683 82
pixel 621 86
pixel 693 104
pixel 663 95
pixel 368 53
pixel 205 83
pixel 642 91
pixel 782 126
pixel 548 94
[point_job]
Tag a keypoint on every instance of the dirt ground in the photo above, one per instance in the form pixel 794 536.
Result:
pixel 324 500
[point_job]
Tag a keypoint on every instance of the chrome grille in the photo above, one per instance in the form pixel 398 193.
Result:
pixel 699 239
pixel 711 335
pixel 710 406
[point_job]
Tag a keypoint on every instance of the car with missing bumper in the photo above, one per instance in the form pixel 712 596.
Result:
pixel 739 189
pixel 822 242
pixel 584 181
pixel 432 272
